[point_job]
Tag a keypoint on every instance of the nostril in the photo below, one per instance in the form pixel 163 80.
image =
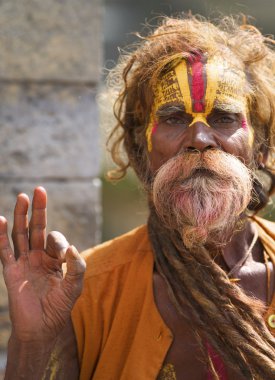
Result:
pixel 193 149
pixel 209 147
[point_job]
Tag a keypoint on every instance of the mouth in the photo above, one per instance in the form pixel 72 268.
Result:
pixel 203 172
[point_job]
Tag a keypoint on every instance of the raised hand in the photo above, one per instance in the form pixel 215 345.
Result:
pixel 40 298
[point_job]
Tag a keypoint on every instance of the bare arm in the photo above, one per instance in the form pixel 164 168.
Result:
pixel 63 363
pixel 42 344
pixel 56 360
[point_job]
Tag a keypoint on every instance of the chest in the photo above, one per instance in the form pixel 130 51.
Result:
pixel 186 356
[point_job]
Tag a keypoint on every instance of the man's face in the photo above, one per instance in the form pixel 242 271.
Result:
pixel 200 191
pixel 199 104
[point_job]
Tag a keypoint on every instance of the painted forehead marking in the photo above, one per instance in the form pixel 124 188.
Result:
pixel 192 79
pixel 199 84
pixel 202 84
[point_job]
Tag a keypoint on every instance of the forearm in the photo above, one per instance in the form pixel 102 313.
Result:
pixel 27 361
pixel 53 360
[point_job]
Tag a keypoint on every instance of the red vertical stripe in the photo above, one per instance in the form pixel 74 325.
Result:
pixel 197 85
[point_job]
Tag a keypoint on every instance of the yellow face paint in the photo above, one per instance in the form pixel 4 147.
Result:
pixel 200 85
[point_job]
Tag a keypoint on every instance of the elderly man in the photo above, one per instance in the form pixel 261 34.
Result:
pixel 189 295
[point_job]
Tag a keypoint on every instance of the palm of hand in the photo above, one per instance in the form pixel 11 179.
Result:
pixel 40 298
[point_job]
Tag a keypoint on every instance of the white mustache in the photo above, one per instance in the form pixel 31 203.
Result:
pixel 202 191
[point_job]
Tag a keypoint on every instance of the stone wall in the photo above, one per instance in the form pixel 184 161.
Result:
pixel 49 71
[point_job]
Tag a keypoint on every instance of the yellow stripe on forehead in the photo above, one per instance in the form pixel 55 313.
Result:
pixel 181 74
pixel 166 91
pixel 212 75
pixel 184 72
pixel 200 85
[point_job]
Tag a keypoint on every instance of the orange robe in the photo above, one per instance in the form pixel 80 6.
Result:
pixel 120 333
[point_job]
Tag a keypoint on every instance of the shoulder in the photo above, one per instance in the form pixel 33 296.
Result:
pixel 116 252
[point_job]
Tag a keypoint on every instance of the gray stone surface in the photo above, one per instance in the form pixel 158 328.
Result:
pixel 49 135
pixel 48 131
pixel 3 359
pixel 5 325
pixel 50 40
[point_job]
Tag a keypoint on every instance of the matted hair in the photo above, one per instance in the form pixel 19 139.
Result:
pixel 222 313
pixel 137 72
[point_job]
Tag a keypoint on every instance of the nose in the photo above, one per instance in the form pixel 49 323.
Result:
pixel 201 137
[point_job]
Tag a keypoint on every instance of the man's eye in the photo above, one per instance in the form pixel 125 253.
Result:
pixel 225 119
pixel 175 120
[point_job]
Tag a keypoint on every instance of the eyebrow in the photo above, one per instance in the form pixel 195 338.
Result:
pixel 226 107
pixel 169 109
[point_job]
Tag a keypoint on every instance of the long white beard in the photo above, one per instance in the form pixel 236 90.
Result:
pixel 202 195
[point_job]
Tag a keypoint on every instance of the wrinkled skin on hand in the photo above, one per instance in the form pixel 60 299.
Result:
pixel 40 297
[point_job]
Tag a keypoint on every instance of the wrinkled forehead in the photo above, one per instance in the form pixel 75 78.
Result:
pixel 202 84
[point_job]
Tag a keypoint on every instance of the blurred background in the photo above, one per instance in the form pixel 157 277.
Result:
pixel 54 58
pixel 124 205
pixel 123 17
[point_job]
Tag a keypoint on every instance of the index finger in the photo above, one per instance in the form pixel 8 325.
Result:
pixel 38 222
pixel 6 252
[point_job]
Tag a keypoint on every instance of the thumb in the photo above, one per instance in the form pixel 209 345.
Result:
pixel 56 245
pixel 76 266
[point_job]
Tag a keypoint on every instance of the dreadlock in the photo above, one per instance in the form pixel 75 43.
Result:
pixel 222 313
pixel 227 318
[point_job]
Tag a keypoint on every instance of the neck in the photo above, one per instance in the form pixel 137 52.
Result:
pixel 239 248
